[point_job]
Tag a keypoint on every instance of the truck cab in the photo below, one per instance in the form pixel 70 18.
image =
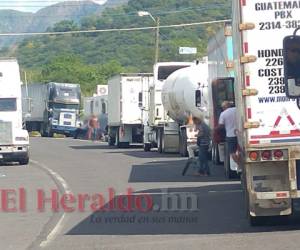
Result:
pixel 14 140
pixel 62 113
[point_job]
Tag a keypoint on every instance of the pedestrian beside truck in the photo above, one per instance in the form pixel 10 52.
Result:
pixel 93 127
pixel 193 147
pixel 228 121
pixel 201 146
pixel 203 142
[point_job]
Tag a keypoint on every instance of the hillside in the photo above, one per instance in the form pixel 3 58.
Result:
pixel 91 58
pixel 17 21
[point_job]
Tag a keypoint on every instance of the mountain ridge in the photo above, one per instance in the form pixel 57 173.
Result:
pixel 13 21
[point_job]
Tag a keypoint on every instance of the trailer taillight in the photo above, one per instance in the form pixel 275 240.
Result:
pixel 253 156
pixel 278 154
pixel 266 155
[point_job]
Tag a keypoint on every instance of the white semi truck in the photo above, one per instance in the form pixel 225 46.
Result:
pixel 221 88
pixel 14 140
pixel 159 129
pixel 268 122
pixel 185 95
pixel 127 107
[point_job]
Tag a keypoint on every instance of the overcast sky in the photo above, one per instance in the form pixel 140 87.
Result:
pixel 33 5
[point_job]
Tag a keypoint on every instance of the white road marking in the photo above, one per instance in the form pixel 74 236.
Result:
pixel 58 227
pixel 55 231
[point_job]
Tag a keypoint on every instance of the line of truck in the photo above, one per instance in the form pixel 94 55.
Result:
pixel 245 66
pixel 248 62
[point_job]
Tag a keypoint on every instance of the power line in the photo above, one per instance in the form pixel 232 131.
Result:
pixel 112 15
pixel 113 30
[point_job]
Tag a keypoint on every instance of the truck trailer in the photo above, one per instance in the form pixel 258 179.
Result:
pixel 14 140
pixel 127 107
pixel 160 130
pixel 185 95
pixel 221 88
pixel 268 122
pixel 51 108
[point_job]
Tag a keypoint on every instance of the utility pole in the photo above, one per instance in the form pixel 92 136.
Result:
pixel 157 22
pixel 157 40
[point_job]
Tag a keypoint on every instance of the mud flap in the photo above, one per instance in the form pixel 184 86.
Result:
pixel 298 173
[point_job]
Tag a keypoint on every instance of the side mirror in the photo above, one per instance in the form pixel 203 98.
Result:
pixel 198 98
pixel 291 60
pixel 140 100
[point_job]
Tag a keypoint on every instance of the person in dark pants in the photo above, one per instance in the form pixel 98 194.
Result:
pixel 203 141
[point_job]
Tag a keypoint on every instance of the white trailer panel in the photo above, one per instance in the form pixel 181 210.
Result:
pixel 34 97
pixel 127 98
pixel 278 116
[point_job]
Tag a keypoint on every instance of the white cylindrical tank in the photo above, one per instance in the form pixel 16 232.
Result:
pixel 185 93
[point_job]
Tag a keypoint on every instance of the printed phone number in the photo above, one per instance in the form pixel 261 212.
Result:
pixel 279 25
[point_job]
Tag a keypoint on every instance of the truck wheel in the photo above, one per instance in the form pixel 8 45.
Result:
pixel 159 141
pixel 50 134
pixel 118 144
pixel 24 161
pixel 183 143
pixel 257 220
pixel 215 154
pixel 147 147
pixel 111 141
pixel 44 131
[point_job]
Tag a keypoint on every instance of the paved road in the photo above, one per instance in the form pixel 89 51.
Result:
pixel 93 170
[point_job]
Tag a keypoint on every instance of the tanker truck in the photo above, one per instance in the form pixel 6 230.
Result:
pixel 158 120
pixel 185 95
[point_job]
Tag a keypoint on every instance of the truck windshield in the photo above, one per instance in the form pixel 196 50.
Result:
pixel 8 104
pixel 165 71
pixel 65 106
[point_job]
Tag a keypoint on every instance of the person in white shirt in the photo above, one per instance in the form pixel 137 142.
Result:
pixel 228 121
pixel 193 147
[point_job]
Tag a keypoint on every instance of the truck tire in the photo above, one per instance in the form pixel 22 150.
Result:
pixel 215 154
pixel 147 147
pixel 159 140
pixel 111 141
pixel 183 143
pixel 47 132
pixel 50 134
pixel 118 144
pixel 24 161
